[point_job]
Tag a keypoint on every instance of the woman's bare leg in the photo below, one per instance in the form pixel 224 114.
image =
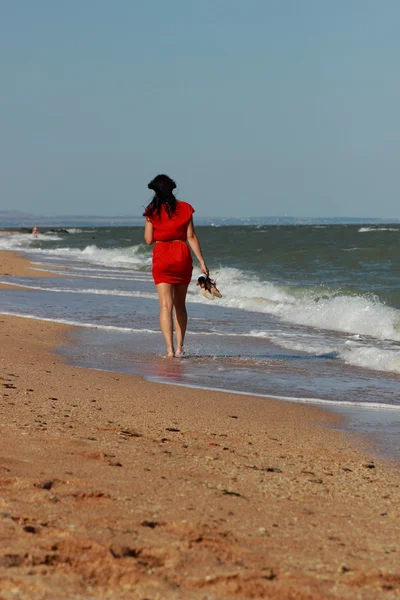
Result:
pixel 165 291
pixel 180 315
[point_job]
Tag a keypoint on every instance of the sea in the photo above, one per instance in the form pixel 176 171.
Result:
pixel 309 313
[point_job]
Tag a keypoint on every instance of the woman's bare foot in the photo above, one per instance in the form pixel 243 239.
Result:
pixel 180 352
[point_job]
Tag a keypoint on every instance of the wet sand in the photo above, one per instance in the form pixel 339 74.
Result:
pixel 13 264
pixel 112 487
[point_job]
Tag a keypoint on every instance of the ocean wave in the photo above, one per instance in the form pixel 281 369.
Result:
pixel 24 241
pixel 358 351
pixel 297 399
pixel 114 327
pixel 378 359
pixel 80 324
pixel 127 330
pixel 357 314
pixel 366 229
pixel 113 257
pixel 320 310
pixel 355 353
pixel 328 310
pixel 86 269
pixel 92 291
pixel 67 273
pixel 363 315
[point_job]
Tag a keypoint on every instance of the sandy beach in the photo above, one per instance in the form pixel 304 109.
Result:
pixel 113 487
pixel 13 264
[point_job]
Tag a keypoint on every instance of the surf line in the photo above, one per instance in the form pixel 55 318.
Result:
pixel 298 400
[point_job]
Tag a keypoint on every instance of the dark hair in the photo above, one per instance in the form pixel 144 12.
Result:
pixel 162 186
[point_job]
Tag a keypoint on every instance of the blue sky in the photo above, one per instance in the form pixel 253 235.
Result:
pixel 256 108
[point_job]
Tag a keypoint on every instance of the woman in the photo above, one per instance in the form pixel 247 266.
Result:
pixel 169 225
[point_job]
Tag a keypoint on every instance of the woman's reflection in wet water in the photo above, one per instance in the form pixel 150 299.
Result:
pixel 172 371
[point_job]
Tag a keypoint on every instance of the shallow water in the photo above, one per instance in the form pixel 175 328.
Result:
pixel 311 313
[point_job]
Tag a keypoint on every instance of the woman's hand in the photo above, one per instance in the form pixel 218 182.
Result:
pixel 204 268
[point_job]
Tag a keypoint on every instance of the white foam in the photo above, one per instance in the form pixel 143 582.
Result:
pixel 79 324
pixel 364 315
pixel 24 241
pixel 115 327
pixel 357 314
pixel 367 229
pixel 86 269
pixel 69 270
pixel 298 400
pixel 321 310
pixel 67 273
pixel 375 358
pixel 378 359
pixel 130 294
pixel 356 353
pixel 320 401
pixel 113 257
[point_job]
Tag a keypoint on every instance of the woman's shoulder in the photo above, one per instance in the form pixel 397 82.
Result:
pixel 185 206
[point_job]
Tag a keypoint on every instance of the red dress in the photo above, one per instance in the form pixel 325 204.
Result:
pixel 172 261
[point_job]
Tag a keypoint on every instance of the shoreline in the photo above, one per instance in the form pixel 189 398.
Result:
pixel 176 492
pixel 366 422
pixel 12 264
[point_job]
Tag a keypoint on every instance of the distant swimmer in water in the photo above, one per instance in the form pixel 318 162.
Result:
pixel 169 226
pixel 35 231
pixel 208 287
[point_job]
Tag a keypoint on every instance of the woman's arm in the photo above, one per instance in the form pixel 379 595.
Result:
pixel 195 246
pixel 148 232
